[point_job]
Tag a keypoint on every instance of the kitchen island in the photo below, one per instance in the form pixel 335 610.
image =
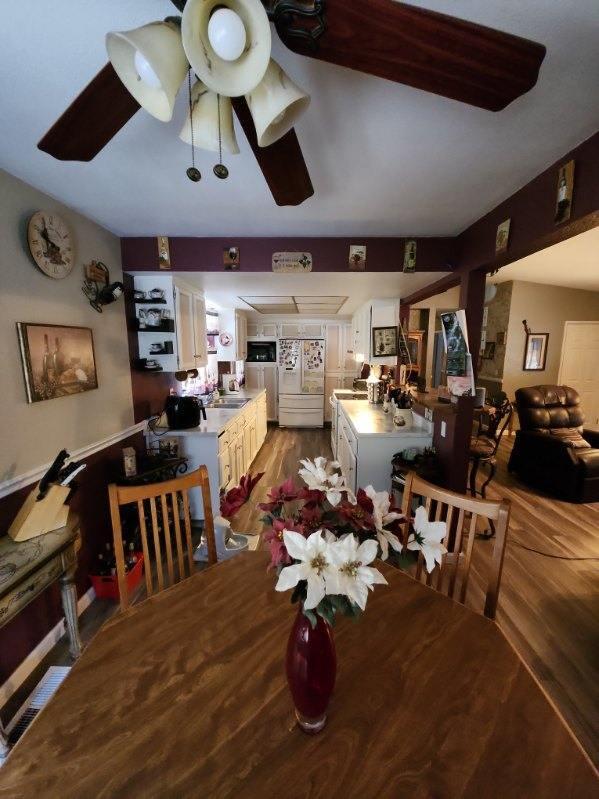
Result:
pixel 226 443
pixel 367 439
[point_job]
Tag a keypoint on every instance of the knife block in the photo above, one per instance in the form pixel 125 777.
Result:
pixel 36 518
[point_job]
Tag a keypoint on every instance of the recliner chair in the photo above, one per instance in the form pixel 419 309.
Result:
pixel 552 450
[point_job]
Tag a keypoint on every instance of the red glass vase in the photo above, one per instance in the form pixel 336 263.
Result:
pixel 311 668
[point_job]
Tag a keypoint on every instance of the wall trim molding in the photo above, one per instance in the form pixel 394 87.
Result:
pixel 27 478
pixel 35 657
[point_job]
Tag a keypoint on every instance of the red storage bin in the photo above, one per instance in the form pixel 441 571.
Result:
pixel 107 587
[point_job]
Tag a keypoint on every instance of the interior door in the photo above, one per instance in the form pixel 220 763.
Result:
pixel 334 362
pixel 579 365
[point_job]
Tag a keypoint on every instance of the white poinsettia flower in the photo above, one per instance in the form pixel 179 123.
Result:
pixel 383 516
pixel 352 576
pixel 428 538
pixel 320 475
pixel 314 565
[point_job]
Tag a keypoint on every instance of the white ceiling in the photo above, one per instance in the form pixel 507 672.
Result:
pixel 385 159
pixel 225 289
pixel 573 263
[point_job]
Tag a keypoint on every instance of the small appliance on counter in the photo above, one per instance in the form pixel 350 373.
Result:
pixel 230 384
pixel 183 413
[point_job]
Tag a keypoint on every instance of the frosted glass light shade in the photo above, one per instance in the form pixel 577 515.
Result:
pixel 229 78
pixel 276 104
pixel 151 63
pixel 226 33
pixel 205 121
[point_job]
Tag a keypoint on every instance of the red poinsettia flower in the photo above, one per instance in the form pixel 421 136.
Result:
pixel 311 516
pixel 274 538
pixel 359 516
pixel 312 496
pixel 239 495
pixel 278 495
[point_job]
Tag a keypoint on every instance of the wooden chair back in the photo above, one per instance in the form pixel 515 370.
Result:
pixel 461 514
pixel 170 524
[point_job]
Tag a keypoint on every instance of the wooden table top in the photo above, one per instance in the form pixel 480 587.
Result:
pixel 185 695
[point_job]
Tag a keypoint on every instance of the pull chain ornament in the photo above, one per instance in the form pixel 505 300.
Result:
pixel 220 170
pixel 193 173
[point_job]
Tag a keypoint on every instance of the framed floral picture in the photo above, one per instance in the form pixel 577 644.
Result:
pixel 535 352
pixel 384 342
pixel 58 360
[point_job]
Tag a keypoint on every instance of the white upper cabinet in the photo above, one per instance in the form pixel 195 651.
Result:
pixel 262 330
pixel 186 345
pixel 240 343
pixel 190 325
pixel 302 330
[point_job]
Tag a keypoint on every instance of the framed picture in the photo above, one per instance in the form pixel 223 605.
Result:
pixel 57 360
pixel 502 236
pixel 231 258
pixel 535 352
pixel 565 189
pixel 357 257
pixel 409 256
pixel 489 351
pixel 164 253
pixel 384 342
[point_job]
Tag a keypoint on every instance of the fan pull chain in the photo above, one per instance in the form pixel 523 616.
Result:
pixel 220 170
pixel 192 173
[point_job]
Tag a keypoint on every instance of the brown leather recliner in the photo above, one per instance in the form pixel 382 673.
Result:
pixel 552 450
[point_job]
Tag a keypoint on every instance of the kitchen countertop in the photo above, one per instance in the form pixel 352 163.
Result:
pixel 370 420
pixel 217 419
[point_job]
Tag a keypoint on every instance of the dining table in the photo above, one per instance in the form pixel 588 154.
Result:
pixel 185 695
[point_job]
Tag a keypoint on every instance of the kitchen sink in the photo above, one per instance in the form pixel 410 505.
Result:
pixel 228 403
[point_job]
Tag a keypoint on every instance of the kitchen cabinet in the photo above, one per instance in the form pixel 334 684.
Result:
pixel 262 330
pixel 240 343
pixel 361 332
pixel 190 327
pixel 340 349
pixel 259 376
pixel 302 330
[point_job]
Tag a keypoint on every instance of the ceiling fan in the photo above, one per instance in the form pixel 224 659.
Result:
pixel 227 44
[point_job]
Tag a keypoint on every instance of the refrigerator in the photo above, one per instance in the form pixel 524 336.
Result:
pixel 301 382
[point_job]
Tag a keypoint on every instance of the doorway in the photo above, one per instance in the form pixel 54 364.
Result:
pixel 579 365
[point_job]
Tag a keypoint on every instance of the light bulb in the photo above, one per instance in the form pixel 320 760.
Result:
pixel 145 71
pixel 226 34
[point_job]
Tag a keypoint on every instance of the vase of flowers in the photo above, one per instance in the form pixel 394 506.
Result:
pixel 323 540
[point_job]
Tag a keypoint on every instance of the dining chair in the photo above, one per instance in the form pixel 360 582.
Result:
pixel 167 525
pixel 492 424
pixel 461 514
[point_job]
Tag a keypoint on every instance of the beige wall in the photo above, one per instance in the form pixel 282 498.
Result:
pixel 545 309
pixel 33 434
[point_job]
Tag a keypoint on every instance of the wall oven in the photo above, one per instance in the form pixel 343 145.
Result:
pixel 262 352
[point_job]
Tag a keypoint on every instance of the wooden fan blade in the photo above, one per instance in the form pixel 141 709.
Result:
pixel 282 163
pixel 430 51
pixel 91 120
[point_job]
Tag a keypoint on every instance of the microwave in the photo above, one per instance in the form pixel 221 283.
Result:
pixel 262 352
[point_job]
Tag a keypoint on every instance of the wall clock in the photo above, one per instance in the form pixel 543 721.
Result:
pixel 50 244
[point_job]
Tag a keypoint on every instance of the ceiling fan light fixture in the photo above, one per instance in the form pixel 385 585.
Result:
pixel 226 34
pixel 205 105
pixel 276 104
pixel 151 63
pixel 225 76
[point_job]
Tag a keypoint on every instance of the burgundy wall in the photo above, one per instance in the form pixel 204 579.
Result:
pixel 23 633
pixel 328 254
pixel 531 210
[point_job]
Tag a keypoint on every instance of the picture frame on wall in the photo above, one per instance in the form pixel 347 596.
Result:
pixel 58 360
pixel 535 352
pixel 384 342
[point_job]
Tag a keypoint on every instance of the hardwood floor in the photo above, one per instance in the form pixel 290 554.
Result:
pixel 548 606
pixel 279 459
pixel 549 603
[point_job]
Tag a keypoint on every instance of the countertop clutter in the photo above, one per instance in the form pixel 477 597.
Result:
pixel 218 418
pixel 367 419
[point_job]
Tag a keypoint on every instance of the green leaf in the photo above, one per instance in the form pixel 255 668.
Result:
pixel 311 616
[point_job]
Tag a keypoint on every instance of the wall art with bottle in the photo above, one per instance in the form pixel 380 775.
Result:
pixel 58 360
